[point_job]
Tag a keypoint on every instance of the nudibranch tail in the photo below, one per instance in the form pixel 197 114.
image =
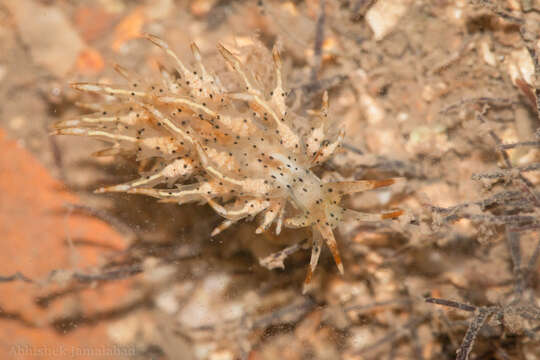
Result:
pixel 322 226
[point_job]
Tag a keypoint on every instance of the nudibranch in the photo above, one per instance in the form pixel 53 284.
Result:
pixel 234 146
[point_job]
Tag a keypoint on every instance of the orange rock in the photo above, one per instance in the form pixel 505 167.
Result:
pixel 90 61
pixel 129 28
pixel 92 22
pixel 201 7
pixel 33 233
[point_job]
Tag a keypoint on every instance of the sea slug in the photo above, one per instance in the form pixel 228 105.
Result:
pixel 234 146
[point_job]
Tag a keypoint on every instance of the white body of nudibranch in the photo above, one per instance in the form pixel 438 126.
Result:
pixel 234 147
